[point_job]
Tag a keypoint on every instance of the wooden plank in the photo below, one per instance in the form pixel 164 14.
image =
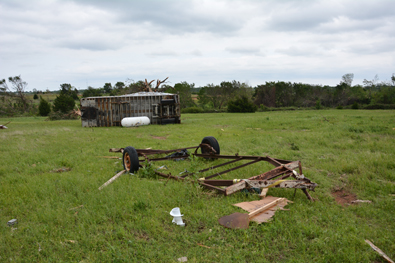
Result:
pixel 213 187
pixel 268 175
pixel 115 177
pixel 265 207
pixel 263 193
pixel 379 251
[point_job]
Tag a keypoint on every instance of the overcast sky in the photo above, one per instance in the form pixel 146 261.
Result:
pixel 90 42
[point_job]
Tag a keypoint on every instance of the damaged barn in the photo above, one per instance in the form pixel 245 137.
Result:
pixel 160 108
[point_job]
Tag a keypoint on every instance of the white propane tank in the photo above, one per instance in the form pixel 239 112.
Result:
pixel 135 121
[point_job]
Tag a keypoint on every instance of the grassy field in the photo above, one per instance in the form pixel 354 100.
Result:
pixel 50 173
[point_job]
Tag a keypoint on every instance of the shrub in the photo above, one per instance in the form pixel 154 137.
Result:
pixel 339 107
pixel 241 104
pixel 380 107
pixel 355 106
pixel 58 115
pixel 318 104
pixel 44 108
pixel 192 110
pixel 35 97
pixel 63 103
pixel 263 107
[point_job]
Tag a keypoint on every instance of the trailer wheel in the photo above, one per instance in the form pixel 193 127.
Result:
pixel 130 159
pixel 210 140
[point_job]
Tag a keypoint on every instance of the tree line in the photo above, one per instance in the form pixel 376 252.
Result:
pixel 228 95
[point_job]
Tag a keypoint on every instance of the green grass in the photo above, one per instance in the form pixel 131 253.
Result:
pixel 129 221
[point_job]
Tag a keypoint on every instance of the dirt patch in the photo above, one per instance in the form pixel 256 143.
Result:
pixel 343 197
pixel 140 235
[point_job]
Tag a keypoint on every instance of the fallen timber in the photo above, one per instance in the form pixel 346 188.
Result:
pixel 133 159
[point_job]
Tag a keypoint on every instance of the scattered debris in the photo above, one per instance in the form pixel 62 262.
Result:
pixel 266 215
pixel 71 241
pixel 183 259
pixel 76 113
pixel 185 171
pixel 241 221
pixel 12 222
pixel 263 193
pixel 61 170
pixel 379 251
pixel 162 167
pixel 177 217
pixel 115 177
pixel 361 201
pixel 4 126
pixel 182 153
pixel 209 147
pixel 203 245
pixel 109 157
pixel 80 206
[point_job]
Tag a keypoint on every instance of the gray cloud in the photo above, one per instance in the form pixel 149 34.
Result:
pixel 244 50
pixel 89 42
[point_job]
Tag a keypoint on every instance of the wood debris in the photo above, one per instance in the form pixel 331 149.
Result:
pixel 266 215
pixel 115 177
pixel 379 251
pixel 361 201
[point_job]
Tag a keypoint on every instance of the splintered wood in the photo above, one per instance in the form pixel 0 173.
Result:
pixel 266 215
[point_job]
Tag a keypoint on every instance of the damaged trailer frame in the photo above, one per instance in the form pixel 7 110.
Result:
pixel 106 111
pixel 133 159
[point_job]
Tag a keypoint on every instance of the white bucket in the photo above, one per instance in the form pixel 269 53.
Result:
pixel 135 121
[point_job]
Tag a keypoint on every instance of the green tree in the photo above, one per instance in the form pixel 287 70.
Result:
pixel 107 88
pixel 44 108
pixel 16 93
pixel 241 104
pixel 184 91
pixel 63 103
pixel 68 90
pixel 35 97
pixel 91 92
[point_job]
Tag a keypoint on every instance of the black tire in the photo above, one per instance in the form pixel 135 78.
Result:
pixel 130 159
pixel 210 140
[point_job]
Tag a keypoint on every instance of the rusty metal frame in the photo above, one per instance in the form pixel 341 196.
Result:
pixel 284 169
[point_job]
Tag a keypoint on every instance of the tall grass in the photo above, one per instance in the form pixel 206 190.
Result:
pixel 63 217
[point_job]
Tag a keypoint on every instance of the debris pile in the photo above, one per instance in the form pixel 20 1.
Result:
pixel 285 174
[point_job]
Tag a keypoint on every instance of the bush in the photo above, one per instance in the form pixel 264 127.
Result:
pixel 35 97
pixel 58 115
pixel 44 108
pixel 339 107
pixel 355 106
pixel 380 107
pixel 241 105
pixel 192 110
pixel 318 105
pixel 63 103
pixel 263 107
